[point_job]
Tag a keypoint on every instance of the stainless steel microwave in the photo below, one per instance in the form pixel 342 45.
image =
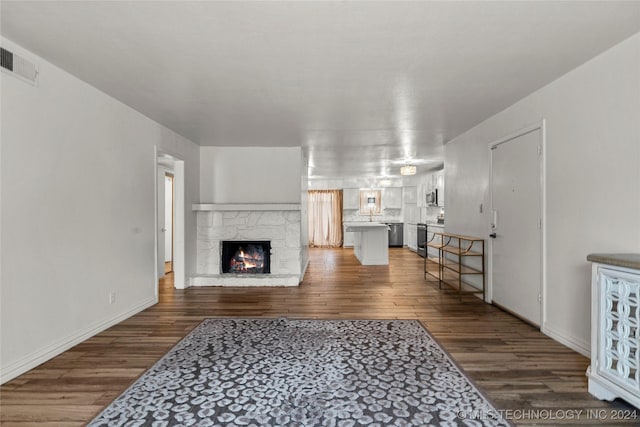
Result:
pixel 432 197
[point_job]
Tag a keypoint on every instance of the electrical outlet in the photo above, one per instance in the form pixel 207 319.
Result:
pixel 112 297
pixel 282 263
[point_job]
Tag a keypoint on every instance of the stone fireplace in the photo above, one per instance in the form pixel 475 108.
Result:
pixel 252 194
pixel 269 230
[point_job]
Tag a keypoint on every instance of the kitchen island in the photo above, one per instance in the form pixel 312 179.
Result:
pixel 370 242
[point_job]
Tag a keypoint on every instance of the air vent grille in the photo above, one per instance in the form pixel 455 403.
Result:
pixel 6 59
pixel 18 66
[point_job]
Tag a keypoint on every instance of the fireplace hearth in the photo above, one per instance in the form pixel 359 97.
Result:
pixel 245 257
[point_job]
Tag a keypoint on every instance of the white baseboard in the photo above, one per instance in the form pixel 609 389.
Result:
pixel 576 344
pixel 40 356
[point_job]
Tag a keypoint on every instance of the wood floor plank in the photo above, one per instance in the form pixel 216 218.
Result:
pixel 517 366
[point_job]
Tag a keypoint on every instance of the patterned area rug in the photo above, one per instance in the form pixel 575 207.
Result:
pixel 279 372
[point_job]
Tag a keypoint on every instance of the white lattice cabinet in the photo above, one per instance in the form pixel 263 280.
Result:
pixel 615 328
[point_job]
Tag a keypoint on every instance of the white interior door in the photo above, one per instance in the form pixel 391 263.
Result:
pixel 516 249
pixel 160 220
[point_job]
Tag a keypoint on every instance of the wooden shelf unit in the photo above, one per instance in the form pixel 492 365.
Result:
pixel 452 250
pixel 435 240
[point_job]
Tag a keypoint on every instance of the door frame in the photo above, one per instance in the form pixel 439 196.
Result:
pixel 541 126
pixel 179 263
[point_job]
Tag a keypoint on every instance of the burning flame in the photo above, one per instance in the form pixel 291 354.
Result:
pixel 251 260
pixel 246 261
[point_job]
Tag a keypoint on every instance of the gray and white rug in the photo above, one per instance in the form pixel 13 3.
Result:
pixel 283 372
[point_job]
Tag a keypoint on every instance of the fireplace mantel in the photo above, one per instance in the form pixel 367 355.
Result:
pixel 239 207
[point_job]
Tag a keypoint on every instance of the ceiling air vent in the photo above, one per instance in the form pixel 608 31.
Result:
pixel 18 66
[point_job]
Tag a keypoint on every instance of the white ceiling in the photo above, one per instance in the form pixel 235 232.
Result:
pixel 362 86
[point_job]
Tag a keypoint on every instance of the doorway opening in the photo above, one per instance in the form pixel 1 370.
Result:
pixel 168 222
pixel 170 218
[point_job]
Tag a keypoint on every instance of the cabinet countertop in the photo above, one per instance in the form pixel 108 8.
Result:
pixel 374 222
pixel 364 226
pixel 619 260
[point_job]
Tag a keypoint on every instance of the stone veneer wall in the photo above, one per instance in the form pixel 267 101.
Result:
pixel 282 228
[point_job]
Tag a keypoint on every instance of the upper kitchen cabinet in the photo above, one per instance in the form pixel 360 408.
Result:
pixel 438 183
pixel 392 197
pixel 428 184
pixel 351 198
pixel 409 195
pixel 423 188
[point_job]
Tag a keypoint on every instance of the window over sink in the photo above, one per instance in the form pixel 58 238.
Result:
pixel 370 201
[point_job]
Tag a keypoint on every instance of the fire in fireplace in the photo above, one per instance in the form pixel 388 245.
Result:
pixel 246 257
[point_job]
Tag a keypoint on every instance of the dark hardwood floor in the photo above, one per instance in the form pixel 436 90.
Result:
pixel 534 378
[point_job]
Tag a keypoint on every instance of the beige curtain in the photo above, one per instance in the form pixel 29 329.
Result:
pixel 325 218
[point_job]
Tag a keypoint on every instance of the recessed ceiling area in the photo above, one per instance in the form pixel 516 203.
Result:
pixel 363 87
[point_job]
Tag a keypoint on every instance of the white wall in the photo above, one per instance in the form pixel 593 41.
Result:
pixel 250 174
pixel 78 184
pixel 592 157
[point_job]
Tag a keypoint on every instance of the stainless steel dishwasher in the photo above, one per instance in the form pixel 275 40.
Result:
pixel 395 234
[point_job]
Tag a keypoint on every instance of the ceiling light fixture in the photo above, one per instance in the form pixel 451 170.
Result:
pixel 408 170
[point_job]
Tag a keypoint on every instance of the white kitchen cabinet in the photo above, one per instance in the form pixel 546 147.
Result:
pixel 392 197
pixel 409 195
pixel 429 183
pixel 422 192
pixel 411 231
pixel 615 327
pixel 351 198
pixel 371 242
pixel 347 238
pixel 438 183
